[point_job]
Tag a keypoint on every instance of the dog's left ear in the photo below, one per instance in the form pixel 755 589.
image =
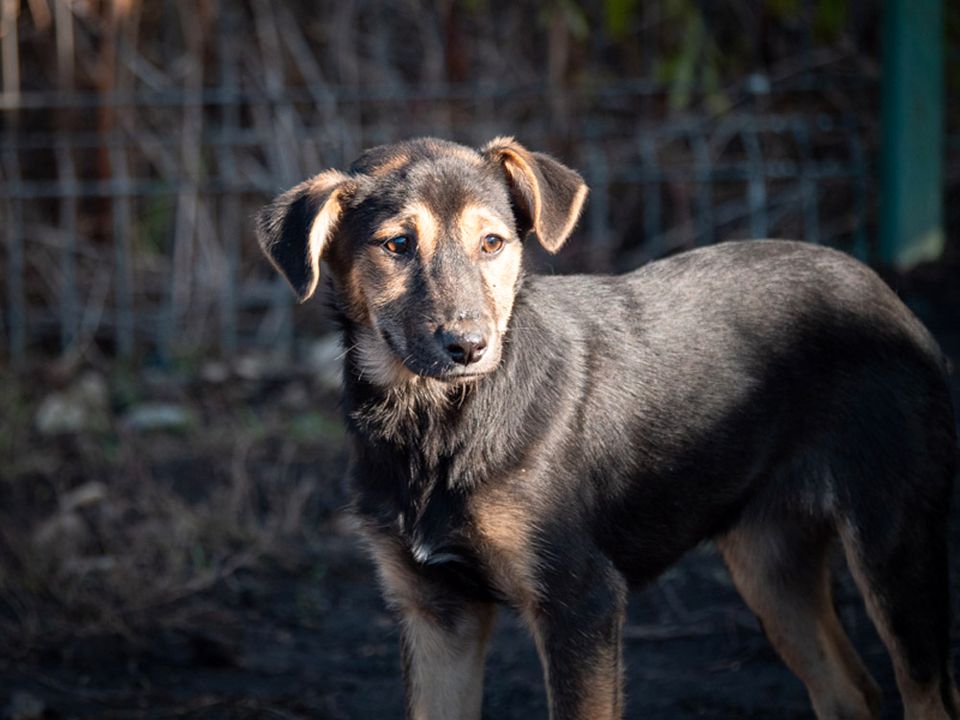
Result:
pixel 297 226
pixel 547 196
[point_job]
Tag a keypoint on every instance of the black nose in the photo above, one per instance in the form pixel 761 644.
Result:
pixel 464 348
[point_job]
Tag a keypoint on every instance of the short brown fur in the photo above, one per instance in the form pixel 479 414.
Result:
pixel 543 441
pixel 786 582
pixel 504 535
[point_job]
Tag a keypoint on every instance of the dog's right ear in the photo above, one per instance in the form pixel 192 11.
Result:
pixel 295 228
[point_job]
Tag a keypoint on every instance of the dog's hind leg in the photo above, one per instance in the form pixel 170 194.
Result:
pixel 578 632
pixel 780 568
pixel 901 568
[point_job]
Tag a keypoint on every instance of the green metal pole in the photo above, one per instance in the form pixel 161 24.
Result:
pixel 911 186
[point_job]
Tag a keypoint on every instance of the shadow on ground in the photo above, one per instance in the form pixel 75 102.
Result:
pixel 202 568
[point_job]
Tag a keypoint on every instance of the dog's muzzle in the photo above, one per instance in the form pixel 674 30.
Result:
pixel 465 346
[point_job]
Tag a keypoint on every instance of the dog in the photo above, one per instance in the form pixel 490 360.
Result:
pixel 548 442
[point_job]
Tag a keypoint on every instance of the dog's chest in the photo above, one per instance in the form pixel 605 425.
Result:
pixel 433 533
pixel 416 506
pixel 432 528
pixel 417 491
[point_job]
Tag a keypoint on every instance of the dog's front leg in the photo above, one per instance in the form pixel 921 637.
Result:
pixel 443 638
pixel 443 661
pixel 578 629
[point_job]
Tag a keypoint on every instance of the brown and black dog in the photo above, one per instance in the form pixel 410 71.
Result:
pixel 548 442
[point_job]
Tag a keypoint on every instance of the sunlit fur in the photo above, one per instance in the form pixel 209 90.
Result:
pixel 775 397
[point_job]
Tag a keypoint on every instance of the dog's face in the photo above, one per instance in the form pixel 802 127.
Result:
pixel 423 243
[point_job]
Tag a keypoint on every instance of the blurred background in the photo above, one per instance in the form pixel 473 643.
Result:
pixel 171 458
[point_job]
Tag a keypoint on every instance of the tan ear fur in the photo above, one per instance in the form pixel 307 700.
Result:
pixel 547 196
pixel 295 229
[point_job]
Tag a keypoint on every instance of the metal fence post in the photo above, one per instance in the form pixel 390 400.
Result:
pixel 651 195
pixel 808 185
pixel 69 304
pixel 911 199
pixel 229 205
pixel 703 165
pixel 861 246
pixel 756 184
pixel 15 292
pixel 122 197
pixel 600 248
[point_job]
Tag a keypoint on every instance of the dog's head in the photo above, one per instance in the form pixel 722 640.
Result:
pixel 422 241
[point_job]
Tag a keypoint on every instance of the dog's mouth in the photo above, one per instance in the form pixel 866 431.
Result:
pixel 429 363
pixel 457 374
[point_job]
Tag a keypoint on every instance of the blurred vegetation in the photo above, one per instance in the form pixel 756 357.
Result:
pixel 106 519
pixel 687 44
pixel 177 119
pixel 697 49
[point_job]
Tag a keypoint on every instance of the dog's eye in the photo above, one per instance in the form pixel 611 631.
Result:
pixel 397 245
pixel 492 244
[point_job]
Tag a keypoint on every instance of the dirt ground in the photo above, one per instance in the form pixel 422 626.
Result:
pixel 201 626
pixel 316 643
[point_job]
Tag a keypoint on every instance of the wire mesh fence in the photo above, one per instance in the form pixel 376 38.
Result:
pixel 159 256
pixel 127 198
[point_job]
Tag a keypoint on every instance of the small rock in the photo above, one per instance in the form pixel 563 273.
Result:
pixel 250 367
pixel 62 533
pixel 58 414
pixel 82 406
pixel 24 706
pixel 158 416
pixel 92 389
pixel 88 565
pixel 295 396
pixel 85 495
pixel 215 372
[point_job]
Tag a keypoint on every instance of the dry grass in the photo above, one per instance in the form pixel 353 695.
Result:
pixel 109 528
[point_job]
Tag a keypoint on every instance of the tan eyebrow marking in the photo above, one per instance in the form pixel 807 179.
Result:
pixel 418 217
pixel 475 221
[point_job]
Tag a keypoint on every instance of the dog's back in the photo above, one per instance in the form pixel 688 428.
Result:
pixel 760 368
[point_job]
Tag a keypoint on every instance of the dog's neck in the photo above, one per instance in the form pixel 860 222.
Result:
pixel 405 413
pixel 420 448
